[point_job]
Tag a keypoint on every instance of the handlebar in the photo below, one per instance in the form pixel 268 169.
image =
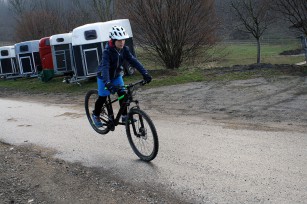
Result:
pixel 140 82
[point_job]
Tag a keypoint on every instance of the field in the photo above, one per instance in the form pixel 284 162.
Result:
pixel 226 55
pixel 270 53
pixel 239 53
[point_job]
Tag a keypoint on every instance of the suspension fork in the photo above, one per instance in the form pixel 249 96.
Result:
pixel 141 129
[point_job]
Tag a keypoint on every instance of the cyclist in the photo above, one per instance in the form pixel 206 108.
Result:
pixel 110 71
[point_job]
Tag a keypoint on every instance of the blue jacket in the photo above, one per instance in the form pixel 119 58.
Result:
pixel 111 65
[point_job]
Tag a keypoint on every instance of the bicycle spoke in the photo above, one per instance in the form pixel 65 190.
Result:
pixel 142 135
pixel 144 143
pixel 90 100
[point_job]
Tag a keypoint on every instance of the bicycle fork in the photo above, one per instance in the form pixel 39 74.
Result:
pixel 139 131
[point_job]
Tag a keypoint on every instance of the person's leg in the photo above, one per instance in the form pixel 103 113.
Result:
pixel 102 93
pixel 120 93
pixel 98 105
pixel 102 97
pixel 120 82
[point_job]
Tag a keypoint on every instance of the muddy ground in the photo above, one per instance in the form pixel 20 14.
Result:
pixel 29 174
pixel 261 103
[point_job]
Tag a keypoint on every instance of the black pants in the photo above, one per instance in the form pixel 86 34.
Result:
pixel 102 99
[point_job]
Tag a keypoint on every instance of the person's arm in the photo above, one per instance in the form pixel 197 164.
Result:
pixel 134 62
pixel 104 67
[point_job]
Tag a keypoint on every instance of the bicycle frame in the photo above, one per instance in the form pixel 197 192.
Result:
pixel 127 100
pixel 111 112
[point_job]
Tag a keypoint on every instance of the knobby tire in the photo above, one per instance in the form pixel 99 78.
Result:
pixel 145 142
pixel 90 99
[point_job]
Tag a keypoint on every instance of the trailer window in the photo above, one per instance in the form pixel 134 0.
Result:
pixel 60 39
pixel 4 53
pixel 24 48
pixel 90 35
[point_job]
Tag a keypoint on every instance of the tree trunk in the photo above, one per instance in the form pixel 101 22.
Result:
pixel 258 51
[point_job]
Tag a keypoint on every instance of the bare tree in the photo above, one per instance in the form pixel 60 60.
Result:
pixel 255 18
pixel 18 7
pixel 41 18
pixel 3 24
pixel 103 8
pixel 173 30
pixel 96 10
pixel 294 11
pixel 33 25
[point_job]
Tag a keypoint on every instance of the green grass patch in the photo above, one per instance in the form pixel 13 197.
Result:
pixel 232 76
pixel 56 85
pixel 241 54
pixel 229 54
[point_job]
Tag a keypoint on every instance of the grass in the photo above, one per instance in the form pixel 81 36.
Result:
pixel 161 78
pixel 237 54
pixel 231 76
pixel 34 85
pixel 229 54
pixel 241 54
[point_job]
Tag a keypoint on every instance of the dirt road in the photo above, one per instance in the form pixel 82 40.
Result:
pixel 221 142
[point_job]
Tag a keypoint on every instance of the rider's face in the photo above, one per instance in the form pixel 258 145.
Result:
pixel 119 44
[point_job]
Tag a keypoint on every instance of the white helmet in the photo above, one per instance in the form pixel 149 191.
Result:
pixel 118 33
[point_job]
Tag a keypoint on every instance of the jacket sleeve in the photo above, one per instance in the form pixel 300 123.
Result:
pixel 134 62
pixel 104 67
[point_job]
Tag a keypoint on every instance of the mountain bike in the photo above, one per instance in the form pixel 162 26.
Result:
pixel 140 130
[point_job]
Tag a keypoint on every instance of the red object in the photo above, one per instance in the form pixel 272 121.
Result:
pixel 45 53
pixel 111 44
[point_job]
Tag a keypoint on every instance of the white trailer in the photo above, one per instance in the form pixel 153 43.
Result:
pixel 28 59
pixel 62 54
pixel 8 66
pixel 88 42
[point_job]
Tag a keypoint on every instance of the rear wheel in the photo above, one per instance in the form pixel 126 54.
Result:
pixel 90 100
pixel 142 135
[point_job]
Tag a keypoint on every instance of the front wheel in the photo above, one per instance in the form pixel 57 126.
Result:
pixel 142 135
pixel 90 100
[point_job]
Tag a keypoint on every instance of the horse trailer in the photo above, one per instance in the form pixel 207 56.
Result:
pixel 88 42
pixel 8 66
pixel 62 54
pixel 45 54
pixel 28 58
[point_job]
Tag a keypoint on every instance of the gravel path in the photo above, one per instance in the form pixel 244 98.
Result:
pixel 31 174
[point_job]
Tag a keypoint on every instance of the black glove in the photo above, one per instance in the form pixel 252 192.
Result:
pixel 111 87
pixel 147 78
